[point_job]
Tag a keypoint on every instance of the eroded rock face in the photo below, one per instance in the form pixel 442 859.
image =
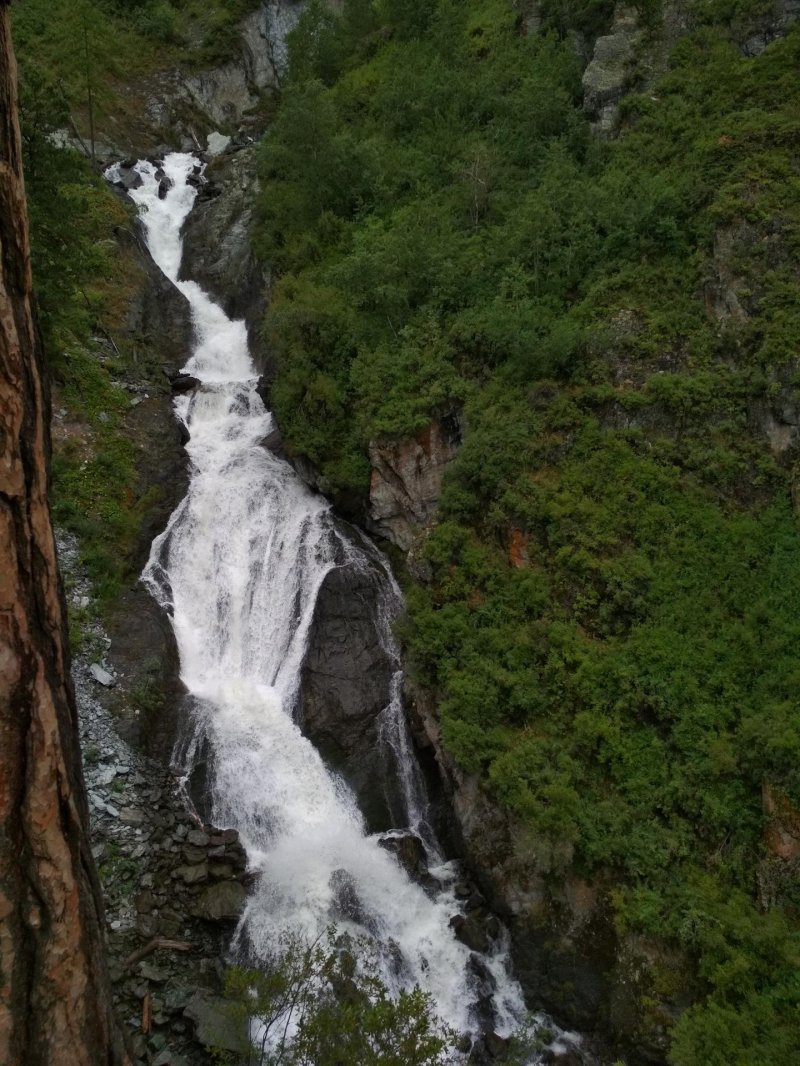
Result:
pixel 606 78
pixel 567 953
pixel 407 478
pixel 770 26
pixel 346 683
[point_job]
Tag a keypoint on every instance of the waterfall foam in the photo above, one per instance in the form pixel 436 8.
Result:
pixel 238 568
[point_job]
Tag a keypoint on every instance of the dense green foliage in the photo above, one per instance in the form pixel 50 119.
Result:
pixel 611 624
pixel 77 60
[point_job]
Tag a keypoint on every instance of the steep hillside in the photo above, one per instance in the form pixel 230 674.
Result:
pixel 549 257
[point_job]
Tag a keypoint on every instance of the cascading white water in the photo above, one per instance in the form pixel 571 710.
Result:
pixel 238 569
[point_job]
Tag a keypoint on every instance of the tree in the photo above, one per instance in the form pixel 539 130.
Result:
pixel 55 1003
pixel 322 1004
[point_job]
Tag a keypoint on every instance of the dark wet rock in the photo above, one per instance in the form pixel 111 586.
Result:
pixel 184 383
pixel 164 185
pixel 274 441
pixel 192 875
pixel 410 853
pixel 217 243
pixel 345 686
pixel 496 1046
pixel 209 190
pixel 128 179
pixel 263 388
pixel 485 983
pixel 562 1058
pixel 347 904
pixel 221 902
pixel 470 930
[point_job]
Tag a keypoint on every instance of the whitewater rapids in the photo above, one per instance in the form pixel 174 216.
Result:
pixel 238 569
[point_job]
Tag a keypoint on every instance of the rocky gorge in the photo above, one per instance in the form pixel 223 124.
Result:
pixel 567 952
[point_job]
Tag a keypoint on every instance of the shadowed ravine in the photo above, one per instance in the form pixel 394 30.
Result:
pixel 238 569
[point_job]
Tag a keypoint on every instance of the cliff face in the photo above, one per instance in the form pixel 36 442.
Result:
pixel 54 1000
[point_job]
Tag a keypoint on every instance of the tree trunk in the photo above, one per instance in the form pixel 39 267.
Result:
pixel 55 1003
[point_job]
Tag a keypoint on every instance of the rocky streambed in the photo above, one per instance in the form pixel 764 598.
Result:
pixel 174 888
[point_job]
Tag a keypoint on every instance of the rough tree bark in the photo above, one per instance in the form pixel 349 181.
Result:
pixel 55 1003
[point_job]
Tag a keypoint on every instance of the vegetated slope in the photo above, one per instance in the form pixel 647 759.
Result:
pixel 79 61
pixel 611 623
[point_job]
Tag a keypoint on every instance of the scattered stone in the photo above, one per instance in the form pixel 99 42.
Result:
pixel 101 676
pixel 220 871
pixel 132 816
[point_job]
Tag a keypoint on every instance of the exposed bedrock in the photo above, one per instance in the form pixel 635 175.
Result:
pixel 217 244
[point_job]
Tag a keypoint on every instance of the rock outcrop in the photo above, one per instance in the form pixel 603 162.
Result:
pixel 407 478
pixel 769 26
pixel 567 953
pixel 608 75
pixel 346 684
pixel 217 251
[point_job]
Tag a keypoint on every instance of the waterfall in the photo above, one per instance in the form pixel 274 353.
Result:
pixel 238 569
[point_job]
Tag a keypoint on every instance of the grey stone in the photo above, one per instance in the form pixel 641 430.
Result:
pixel 346 679
pixel 101 676
pixel 197 838
pixel 605 79
pixel 176 998
pixel 217 143
pixel 132 816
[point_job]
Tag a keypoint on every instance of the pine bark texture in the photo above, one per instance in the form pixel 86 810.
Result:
pixel 55 1003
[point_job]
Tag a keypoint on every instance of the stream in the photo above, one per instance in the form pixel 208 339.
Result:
pixel 238 570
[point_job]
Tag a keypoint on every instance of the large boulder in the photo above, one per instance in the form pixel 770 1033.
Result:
pixel 346 684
